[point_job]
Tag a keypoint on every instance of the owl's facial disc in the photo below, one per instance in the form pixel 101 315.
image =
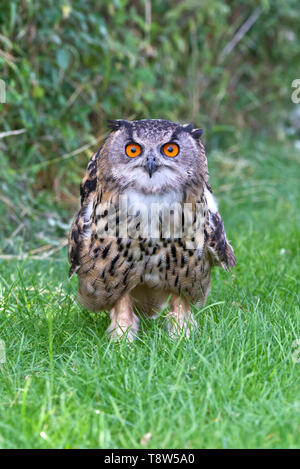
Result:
pixel 153 156
pixel 151 160
pixel 133 150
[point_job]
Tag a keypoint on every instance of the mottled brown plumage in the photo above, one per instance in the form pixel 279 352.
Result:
pixel 137 271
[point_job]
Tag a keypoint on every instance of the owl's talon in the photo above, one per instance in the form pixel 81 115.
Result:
pixel 120 333
pixel 124 322
pixel 177 326
pixel 180 320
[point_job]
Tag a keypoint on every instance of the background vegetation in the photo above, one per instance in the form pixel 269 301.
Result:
pixel 70 66
pixel 226 66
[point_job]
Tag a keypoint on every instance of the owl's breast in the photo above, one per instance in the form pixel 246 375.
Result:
pixel 137 198
pixel 144 250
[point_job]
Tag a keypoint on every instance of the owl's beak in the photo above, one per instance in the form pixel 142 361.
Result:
pixel 151 165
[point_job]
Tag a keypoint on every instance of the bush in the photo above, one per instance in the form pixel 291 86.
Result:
pixel 70 66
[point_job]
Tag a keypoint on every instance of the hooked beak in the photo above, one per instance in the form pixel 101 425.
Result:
pixel 151 165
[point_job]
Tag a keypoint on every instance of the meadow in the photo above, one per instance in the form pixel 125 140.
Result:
pixel 234 384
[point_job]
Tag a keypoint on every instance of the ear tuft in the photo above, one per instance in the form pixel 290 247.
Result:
pixel 188 127
pixel 115 124
pixel 196 133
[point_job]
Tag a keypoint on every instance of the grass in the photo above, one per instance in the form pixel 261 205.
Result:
pixel 232 385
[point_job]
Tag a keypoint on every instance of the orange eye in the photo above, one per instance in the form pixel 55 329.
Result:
pixel 170 149
pixel 133 149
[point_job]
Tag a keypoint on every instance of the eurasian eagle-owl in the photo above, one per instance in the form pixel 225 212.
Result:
pixel 131 259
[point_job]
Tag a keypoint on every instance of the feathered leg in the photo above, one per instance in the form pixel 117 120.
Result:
pixel 180 319
pixel 124 321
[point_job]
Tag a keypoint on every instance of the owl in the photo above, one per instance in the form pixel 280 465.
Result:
pixel 148 231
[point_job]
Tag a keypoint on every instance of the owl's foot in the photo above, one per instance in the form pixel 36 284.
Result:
pixel 124 322
pixel 180 320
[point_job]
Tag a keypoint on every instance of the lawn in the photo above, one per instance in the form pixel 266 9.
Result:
pixel 234 384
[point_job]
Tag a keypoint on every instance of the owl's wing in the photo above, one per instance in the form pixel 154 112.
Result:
pixel 82 218
pixel 220 250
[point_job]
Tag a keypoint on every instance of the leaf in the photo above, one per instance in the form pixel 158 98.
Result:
pixel 62 57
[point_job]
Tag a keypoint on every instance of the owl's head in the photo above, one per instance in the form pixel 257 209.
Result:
pixel 153 156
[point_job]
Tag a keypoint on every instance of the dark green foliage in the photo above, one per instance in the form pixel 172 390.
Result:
pixel 70 66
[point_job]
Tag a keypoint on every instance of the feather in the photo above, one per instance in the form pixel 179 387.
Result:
pixel 220 250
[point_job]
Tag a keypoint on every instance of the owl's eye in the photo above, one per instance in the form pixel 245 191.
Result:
pixel 133 149
pixel 170 149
